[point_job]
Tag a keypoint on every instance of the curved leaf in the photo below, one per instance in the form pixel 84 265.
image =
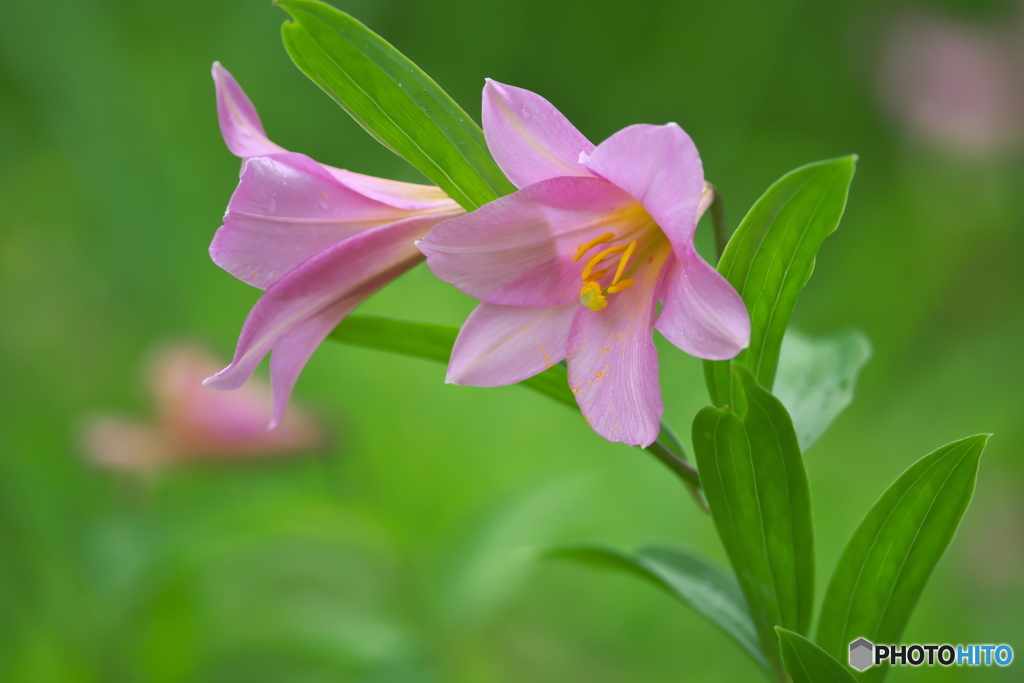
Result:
pixel 890 556
pixel 393 100
pixel 816 378
pixel 770 257
pixel 808 663
pixel 434 342
pixel 754 480
pixel 693 579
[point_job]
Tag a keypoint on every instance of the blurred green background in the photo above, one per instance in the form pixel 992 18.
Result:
pixel 405 553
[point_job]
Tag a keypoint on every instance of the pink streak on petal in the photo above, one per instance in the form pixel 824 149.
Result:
pixel 613 365
pixel 239 123
pixel 286 209
pixel 701 312
pixel 660 166
pixel 410 196
pixel 501 345
pixel 528 137
pixel 518 250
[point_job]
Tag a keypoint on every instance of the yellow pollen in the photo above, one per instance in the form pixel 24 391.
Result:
pixel 608 236
pixel 623 261
pixel 591 296
pixel 618 287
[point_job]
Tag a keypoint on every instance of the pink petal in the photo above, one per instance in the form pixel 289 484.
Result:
pixel 501 345
pixel 613 365
pixel 239 123
pixel 518 250
pixel 293 349
pixel 301 308
pixel 409 196
pixel 660 166
pixel 528 137
pixel 286 209
pixel 701 312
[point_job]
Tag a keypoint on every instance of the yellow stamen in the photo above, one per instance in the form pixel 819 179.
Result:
pixel 597 275
pixel 608 236
pixel 623 261
pixel 601 256
pixel 625 284
pixel 591 296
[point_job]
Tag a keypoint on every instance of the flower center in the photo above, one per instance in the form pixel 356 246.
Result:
pixel 592 294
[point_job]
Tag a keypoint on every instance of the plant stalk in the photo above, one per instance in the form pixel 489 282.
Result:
pixel 718 222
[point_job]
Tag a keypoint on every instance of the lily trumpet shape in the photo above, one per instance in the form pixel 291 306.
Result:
pixel 573 264
pixel 319 240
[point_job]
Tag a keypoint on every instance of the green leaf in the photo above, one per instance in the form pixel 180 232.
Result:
pixel 890 556
pixel 754 480
pixel 434 342
pixel 420 340
pixel 808 663
pixel 771 256
pixel 816 378
pixel 693 579
pixel 393 100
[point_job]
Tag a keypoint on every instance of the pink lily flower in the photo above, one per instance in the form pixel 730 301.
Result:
pixel 573 264
pixel 193 424
pixel 318 239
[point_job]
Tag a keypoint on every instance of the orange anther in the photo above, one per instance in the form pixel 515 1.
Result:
pixel 607 237
pixel 624 261
pixel 618 287
pixel 601 256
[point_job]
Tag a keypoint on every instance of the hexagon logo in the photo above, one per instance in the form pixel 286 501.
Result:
pixel 861 654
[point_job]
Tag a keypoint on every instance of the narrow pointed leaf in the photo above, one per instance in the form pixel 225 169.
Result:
pixel 817 377
pixel 434 342
pixel 393 100
pixel 691 578
pixel 808 663
pixel 753 477
pixel 770 257
pixel 890 556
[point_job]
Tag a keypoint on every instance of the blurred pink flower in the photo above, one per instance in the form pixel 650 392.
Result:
pixel 318 239
pixel 574 263
pixel 192 423
pixel 953 84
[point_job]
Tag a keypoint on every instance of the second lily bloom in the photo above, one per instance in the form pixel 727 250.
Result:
pixel 318 239
pixel 573 265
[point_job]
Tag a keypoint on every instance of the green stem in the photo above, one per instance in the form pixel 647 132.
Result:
pixel 718 221
pixel 676 463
